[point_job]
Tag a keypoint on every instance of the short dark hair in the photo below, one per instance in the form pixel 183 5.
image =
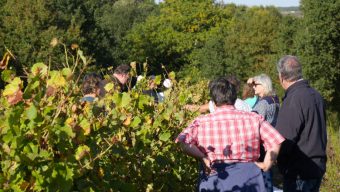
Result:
pixel 91 83
pixel 222 92
pixel 289 68
pixel 122 69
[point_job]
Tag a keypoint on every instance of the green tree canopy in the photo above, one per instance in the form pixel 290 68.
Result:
pixel 170 37
pixel 319 45
pixel 28 26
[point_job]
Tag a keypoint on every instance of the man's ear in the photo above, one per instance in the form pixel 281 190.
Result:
pixel 280 78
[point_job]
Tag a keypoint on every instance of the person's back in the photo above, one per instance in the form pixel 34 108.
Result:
pixel 228 142
pixel 307 105
pixel 231 123
pixel 302 121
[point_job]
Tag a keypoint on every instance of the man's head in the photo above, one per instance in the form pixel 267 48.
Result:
pixel 122 73
pixel 289 68
pixel 222 92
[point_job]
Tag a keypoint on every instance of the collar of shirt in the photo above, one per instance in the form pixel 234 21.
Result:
pixel 225 107
pixel 297 84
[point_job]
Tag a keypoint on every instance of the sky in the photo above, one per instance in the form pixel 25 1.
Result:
pixel 276 3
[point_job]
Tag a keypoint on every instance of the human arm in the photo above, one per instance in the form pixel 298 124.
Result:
pixel 201 108
pixel 270 158
pixel 194 151
pixel 272 141
pixel 189 144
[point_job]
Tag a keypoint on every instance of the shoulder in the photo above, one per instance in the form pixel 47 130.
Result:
pixel 242 105
pixel 272 99
pixel 254 116
pixel 261 105
pixel 304 95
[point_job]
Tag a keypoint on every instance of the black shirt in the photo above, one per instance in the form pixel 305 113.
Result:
pixel 302 121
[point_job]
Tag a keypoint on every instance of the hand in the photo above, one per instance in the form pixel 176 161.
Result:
pixel 191 107
pixel 206 163
pixel 262 166
pixel 250 81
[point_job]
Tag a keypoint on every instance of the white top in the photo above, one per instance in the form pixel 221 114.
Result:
pixel 239 105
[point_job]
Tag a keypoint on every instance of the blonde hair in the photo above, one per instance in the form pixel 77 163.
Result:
pixel 266 82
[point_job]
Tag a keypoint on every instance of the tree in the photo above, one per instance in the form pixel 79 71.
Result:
pixel 170 37
pixel 243 45
pixel 111 22
pixel 28 26
pixel 319 45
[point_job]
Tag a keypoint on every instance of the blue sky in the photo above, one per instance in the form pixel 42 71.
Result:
pixel 277 3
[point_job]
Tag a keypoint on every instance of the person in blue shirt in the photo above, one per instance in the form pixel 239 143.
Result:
pixel 248 95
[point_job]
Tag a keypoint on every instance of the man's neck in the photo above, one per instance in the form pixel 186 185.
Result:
pixel 225 106
pixel 287 84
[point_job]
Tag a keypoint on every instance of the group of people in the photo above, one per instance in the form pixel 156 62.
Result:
pixel 93 86
pixel 240 140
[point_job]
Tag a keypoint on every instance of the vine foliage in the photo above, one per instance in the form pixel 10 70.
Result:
pixel 122 142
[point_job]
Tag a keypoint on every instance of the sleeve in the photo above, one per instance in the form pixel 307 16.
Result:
pixel 260 108
pixel 189 134
pixel 269 135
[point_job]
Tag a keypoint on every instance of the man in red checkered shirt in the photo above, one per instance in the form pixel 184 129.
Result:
pixel 228 143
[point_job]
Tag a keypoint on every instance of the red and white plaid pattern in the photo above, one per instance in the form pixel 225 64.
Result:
pixel 231 135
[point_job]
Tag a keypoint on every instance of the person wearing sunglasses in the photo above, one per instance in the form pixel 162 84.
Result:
pixel 267 106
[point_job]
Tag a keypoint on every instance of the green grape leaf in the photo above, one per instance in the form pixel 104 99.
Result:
pixel 108 87
pixel 7 75
pixel 165 136
pixel 136 121
pixel 81 152
pixel 142 100
pixel 126 99
pixel 67 72
pixel 158 80
pixel 85 125
pixel 68 130
pixel 31 112
pixel 8 137
pixel 117 99
pixel 35 85
pixel 13 87
pixel 39 69
pixel 172 75
pixel 56 79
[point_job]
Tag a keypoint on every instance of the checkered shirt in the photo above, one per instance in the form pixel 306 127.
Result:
pixel 231 135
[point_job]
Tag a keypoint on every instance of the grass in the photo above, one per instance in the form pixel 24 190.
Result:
pixel 331 180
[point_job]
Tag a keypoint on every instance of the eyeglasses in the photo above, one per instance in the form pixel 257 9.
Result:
pixel 256 84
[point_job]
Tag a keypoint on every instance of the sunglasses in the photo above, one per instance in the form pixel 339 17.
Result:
pixel 256 84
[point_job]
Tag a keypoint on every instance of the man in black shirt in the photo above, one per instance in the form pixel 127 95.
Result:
pixel 302 121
